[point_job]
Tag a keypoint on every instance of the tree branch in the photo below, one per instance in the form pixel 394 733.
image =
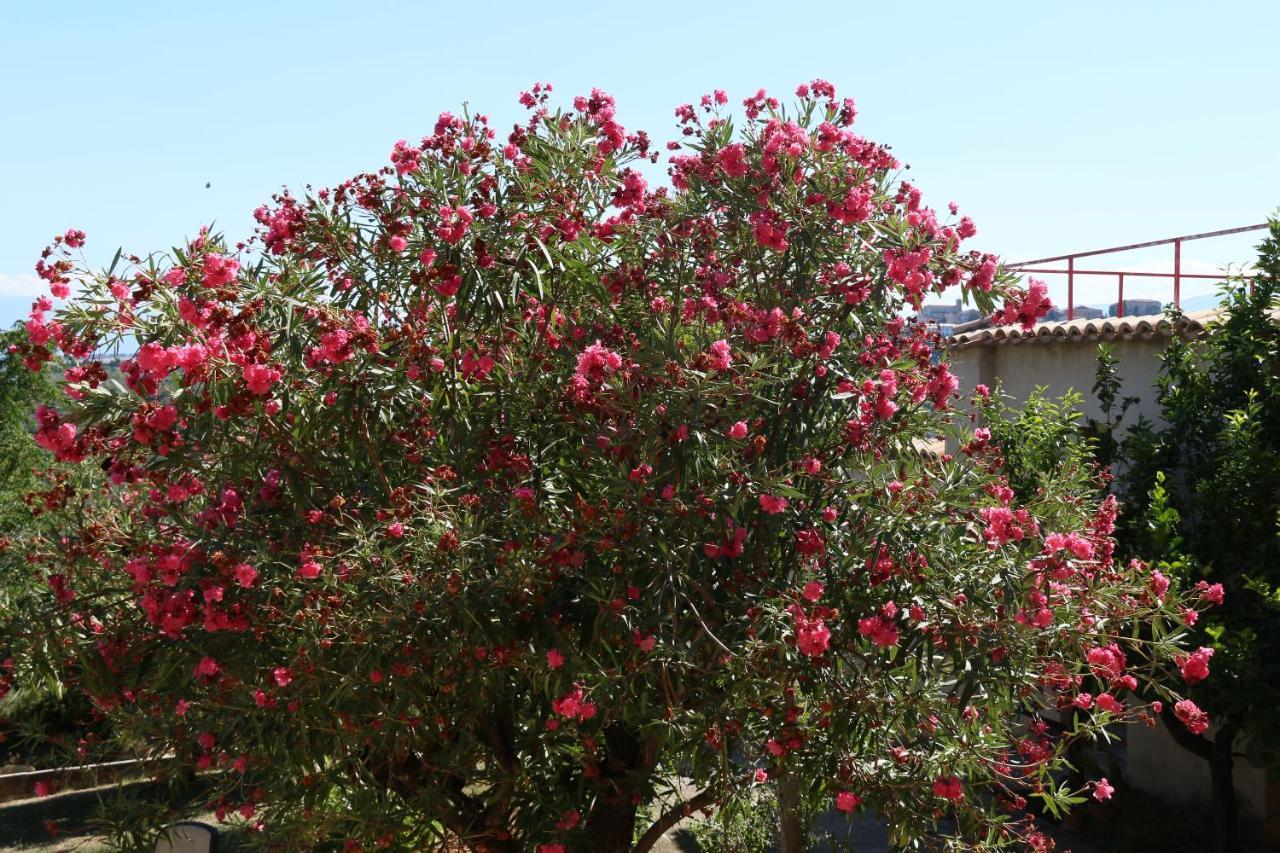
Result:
pixel 672 817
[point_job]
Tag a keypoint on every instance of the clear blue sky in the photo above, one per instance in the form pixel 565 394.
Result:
pixel 1058 127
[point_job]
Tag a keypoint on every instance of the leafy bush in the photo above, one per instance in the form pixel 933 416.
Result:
pixel 21 390
pixel 747 824
pixel 1040 441
pixel 1204 488
pixel 43 722
pixel 484 494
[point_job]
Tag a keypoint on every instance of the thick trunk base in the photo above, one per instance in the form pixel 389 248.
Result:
pixel 611 826
pixel 1225 816
pixel 793 835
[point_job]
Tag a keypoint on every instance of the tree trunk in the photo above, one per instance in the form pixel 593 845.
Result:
pixel 793 835
pixel 611 826
pixel 1225 814
pixel 1219 755
pixel 1226 821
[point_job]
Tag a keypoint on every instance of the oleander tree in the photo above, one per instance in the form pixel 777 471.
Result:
pixel 501 498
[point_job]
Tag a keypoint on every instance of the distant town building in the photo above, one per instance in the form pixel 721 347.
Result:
pixel 948 314
pixel 1136 308
pixel 1083 312
pixel 954 315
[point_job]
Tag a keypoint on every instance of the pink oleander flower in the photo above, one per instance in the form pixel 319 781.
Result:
pixel 769 230
pixel 245 574
pixel 219 270
pixel 881 630
pixel 1110 704
pixel 1073 542
pixel 454 224
pixel 719 355
pixel 1195 666
pixel 259 378
pixel 1211 593
pixel 207 667
pixel 572 705
pixel 1196 721
pixel 1032 305
pixel 773 504
pixel 948 788
pixel 810 542
pixel 597 361
pixel 738 431
pixel 847 801
pixel 405 157
pixel 1102 789
pixel 1107 662
pixel 732 159
pixel 813 637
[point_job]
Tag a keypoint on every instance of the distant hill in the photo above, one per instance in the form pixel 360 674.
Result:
pixel 1200 303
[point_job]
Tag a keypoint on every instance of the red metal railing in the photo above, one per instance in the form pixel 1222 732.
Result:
pixel 1177 275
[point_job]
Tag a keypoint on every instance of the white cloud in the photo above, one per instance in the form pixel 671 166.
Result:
pixel 22 284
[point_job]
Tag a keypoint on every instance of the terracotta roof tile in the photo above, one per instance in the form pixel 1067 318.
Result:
pixel 979 333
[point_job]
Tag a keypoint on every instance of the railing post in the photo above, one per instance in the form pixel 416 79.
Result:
pixel 1177 274
pixel 1071 289
pixel 1120 301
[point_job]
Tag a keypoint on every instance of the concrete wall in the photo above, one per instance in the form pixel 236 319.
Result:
pixel 1060 367
pixel 1157 765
